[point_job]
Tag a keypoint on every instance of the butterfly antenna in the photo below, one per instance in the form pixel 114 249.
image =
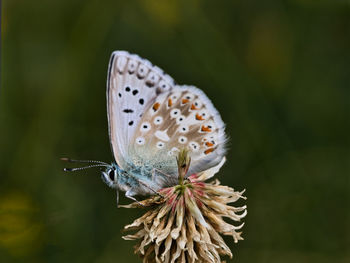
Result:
pixel 83 168
pixel 82 161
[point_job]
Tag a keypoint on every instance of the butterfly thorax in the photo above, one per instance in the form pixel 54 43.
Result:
pixel 135 180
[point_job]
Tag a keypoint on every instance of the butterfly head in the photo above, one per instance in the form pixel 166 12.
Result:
pixel 111 175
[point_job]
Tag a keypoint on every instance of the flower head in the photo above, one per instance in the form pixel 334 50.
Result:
pixel 184 222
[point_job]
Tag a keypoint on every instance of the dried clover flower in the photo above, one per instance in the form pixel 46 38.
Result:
pixel 185 222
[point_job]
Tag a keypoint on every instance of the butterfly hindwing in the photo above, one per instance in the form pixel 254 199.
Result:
pixel 182 117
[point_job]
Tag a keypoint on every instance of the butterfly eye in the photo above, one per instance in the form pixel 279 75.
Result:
pixel 111 175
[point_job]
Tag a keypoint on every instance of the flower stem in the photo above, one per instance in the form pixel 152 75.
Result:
pixel 183 163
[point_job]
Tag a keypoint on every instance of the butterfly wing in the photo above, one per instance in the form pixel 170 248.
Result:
pixel 182 117
pixel 132 84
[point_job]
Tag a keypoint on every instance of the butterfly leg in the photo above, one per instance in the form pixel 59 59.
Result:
pixel 117 192
pixel 130 194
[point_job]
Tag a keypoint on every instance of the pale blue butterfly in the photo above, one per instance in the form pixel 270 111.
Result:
pixel 150 119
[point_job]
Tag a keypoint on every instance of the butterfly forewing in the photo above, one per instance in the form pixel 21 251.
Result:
pixel 132 84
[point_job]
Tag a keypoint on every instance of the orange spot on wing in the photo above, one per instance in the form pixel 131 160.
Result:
pixel 199 117
pixel 205 129
pixel 193 107
pixel 209 150
pixel 209 144
pixel 184 101
pixel 170 102
pixel 156 106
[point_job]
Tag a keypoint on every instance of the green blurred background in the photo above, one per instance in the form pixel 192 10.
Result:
pixel 278 72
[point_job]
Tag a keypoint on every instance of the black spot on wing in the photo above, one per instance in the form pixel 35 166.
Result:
pixel 128 111
pixel 134 92
pixel 158 91
pixel 141 101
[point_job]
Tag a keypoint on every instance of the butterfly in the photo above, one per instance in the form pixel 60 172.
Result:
pixel 150 119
